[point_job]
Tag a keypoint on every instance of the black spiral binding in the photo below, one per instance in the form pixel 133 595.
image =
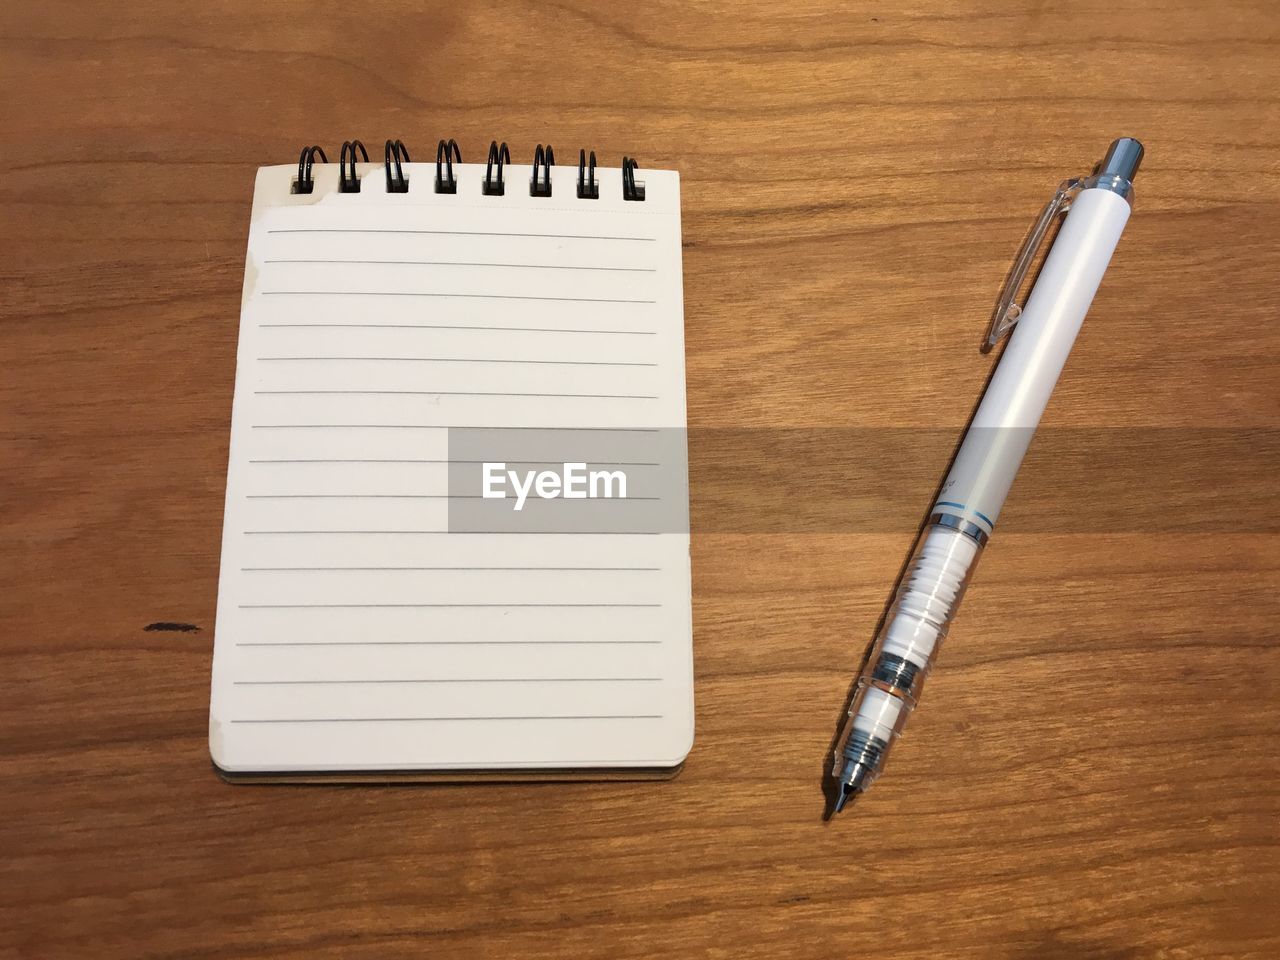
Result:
pixel 546 160
pixel 349 182
pixel 305 183
pixel 499 155
pixel 630 189
pixel 446 153
pixel 588 186
pixel 398 152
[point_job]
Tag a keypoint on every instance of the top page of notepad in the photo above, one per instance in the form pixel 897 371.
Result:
pixel 376 612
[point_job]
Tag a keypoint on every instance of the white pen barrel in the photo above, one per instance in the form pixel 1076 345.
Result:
pixel 1019 391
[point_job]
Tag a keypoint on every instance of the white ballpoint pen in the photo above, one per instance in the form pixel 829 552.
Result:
pixel 969 503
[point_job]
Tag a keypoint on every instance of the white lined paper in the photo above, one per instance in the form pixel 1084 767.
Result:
pixel 354 632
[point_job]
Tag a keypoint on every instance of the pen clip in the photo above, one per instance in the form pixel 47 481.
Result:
pixel 1008 312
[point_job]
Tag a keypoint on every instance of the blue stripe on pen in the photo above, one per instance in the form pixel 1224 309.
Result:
pixel 960 506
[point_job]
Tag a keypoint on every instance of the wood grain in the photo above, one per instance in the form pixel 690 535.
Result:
pixel 1094 772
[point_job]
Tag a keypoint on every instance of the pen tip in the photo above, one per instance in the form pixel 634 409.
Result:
pixel 843 796
pixel 854 778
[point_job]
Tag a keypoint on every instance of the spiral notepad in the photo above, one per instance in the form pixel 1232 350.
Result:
pixel 418 340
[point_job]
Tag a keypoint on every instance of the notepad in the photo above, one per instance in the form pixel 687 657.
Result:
pixel 378 612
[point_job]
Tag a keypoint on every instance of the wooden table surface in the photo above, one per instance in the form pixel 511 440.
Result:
pixel 1095 771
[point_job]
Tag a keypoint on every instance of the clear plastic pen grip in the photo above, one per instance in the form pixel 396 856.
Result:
pixel 928 597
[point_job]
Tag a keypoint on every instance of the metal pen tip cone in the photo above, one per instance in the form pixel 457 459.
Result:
pixel 845 794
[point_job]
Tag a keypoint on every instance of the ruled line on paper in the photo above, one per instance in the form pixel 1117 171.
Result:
pixel 488 569
pixel 363 496
pixel 345 681
pixel 435 426
pixel 440 295
pixel 460 263
pixel 457 233
pixel 448 326
pixel 447 606
pixel 448 643
pixel 525 462
pixel 455 393
pixel 394 496
pixel 570 363
pixel 465 533
pixel 568 716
